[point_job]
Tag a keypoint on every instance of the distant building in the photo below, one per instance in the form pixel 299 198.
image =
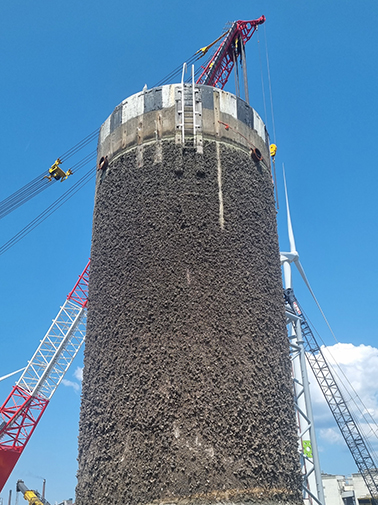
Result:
pixel 341 490
pixel 67 502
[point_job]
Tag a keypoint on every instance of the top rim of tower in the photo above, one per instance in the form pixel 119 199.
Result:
pixel 161 113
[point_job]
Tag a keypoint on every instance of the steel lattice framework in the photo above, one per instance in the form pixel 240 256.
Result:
pixel 336 402
pixel 23 408
pixel 309 458
pixel 219 68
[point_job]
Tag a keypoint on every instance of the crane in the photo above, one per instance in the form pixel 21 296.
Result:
pixel 335 400
pixel 32 497
pixel 219 68
pixel 26 403
pixel 29 398
pixel 304 345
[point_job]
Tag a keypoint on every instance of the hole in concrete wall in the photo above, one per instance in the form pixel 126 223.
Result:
pixel 179 173
pixel 200 174
pixel 256 155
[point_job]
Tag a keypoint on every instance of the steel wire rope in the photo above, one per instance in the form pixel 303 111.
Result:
pixel 38 182
pixel 23 199
pixel 195 57
pixel 270 87
pixel 49 211
pixel 366 434
pixel 262 78
pixel 201 68
pixel 178 70
pixel 271 106
pixel 28 188
pixel 352 399
pixel 168 77
pixel 80 145
pixel 175 72
pixel 25 189
pixel 178 73
pixel 45 214
pixel 211 50
pixel 198 71
pixel 26 195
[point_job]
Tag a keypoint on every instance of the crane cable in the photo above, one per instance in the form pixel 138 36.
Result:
pixel 80 145
pixel 32 189
pixel 28 191
pixel 31 186
pixel 270 87
pixel 196 56
pixel 20 192
pixel 204 50
pixel 50 210
pixel 262 77
pixel 176 71
pixel 273 147
pixel 38 184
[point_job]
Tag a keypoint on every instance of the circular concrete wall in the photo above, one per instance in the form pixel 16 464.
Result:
pixel 187 391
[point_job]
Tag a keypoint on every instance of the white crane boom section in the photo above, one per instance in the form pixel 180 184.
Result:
pixel 56 351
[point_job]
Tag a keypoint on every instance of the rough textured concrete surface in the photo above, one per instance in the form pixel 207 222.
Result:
pixel 187 391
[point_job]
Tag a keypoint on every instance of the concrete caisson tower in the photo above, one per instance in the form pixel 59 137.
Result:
pixel 187 392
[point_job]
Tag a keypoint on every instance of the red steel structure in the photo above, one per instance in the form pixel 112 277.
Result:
pixel 219 68
pixel 22 410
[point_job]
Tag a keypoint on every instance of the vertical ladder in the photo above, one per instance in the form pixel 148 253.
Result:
pixel 189 112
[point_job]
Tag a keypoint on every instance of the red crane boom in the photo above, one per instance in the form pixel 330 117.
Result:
pixel 219 68
pixel 22 410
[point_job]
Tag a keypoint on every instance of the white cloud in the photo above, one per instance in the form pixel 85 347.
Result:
pixel 78 373
pixel 331 436
pixel 71 384
pixel 354 368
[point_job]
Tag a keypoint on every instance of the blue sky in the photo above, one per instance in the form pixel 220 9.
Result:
pixel 66 65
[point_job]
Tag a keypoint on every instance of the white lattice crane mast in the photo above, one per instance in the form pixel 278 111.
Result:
pixel 22 410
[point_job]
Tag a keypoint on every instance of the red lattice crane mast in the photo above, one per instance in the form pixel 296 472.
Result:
pixel 22 410
pixel 219 68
